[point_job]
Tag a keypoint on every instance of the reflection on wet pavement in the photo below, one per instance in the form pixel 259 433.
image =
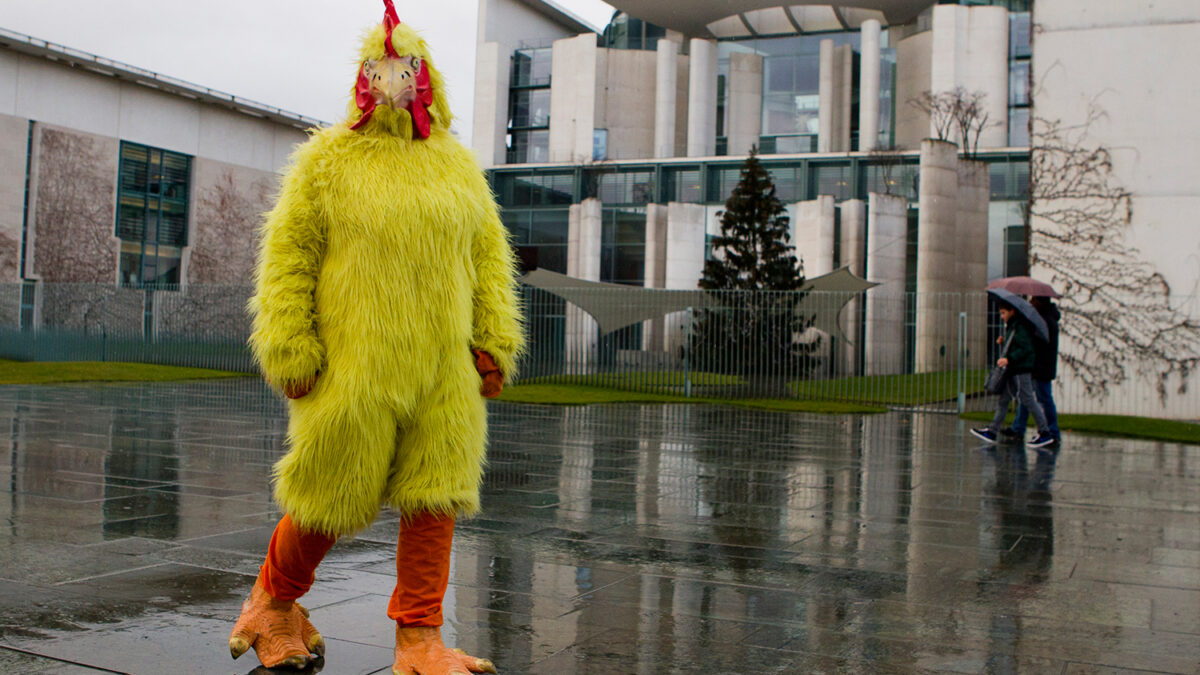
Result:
pixel 621 539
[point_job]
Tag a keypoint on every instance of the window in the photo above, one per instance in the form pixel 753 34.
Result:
pixel 623 246
pixel 152 206
pixel 1016 258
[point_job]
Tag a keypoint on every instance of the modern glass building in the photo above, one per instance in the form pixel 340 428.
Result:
pixel 612 151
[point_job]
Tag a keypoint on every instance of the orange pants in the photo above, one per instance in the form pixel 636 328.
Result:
pixel 422 566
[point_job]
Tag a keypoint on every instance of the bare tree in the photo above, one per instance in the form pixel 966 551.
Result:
pixel 1116 306
pixel 888 160
pixel 227 219
pixel 956 110
pixel 971 118
pixel 74 211
pixel 940 109
pixel 75 249
pixel 10 257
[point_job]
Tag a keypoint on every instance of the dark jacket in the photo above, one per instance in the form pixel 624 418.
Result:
pixel 1020 352
pixel 1045 360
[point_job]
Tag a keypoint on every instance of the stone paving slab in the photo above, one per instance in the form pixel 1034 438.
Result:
pixel 614 539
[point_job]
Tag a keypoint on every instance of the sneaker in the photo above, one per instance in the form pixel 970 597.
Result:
pixel 984 433
pixel 1042 440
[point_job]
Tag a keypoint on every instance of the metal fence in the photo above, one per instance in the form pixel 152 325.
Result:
pixel 896 350
pixel 917 351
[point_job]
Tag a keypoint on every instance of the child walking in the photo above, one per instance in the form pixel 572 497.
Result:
pixel 1018 361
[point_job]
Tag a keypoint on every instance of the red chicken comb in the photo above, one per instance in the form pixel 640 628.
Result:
pixel 390 21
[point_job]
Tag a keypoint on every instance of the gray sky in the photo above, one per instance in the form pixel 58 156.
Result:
pixel 298 55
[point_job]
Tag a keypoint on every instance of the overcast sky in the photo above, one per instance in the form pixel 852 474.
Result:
pixel 298 55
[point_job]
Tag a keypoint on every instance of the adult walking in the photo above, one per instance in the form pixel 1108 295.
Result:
pixel 1045 369
pixel 1018 361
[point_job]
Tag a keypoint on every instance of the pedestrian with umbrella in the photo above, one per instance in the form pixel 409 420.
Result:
pixel 1045 367
pixel 1023 325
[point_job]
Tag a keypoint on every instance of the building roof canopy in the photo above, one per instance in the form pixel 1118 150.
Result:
pixel 737 18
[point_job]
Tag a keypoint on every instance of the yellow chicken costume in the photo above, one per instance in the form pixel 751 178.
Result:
pixel 385 291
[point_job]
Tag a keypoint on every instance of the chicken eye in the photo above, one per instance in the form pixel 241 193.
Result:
pixel 416 63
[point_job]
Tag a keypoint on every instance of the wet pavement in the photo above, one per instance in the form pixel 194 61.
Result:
pixel 618 539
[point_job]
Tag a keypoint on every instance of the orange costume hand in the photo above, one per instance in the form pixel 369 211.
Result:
pixel 298 388
pixel 493 379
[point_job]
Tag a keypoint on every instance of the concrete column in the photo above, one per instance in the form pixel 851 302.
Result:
pixel 812 235
pixel 833 133
pixel 685 246
pixel 656 268
pixel 684 260
pixel 868 87
pixel 702 99
pixel 744 110
pixel 665 89
pixel 887 254
pixel 492 71
pixel 573 98
pixel 937 252
pixel 825 94
pixel 987 48
pixel 852 245
pixel 974 195
pixel 14 147
pixel 970 50
pixel 583 262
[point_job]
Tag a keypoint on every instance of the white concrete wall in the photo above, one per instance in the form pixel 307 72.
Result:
pixel 702 99
pixel 493 70
pixel 40 90
pixel 913 61
pixel 1128 60
pixel 744 109
pixel 970 50
pixel 575 75
pixel 629 84
pixel 887 248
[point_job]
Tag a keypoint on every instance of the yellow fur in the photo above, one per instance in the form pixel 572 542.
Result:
pixel 382 265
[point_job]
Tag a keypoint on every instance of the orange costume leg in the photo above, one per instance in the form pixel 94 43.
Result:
pixel 422 573
pixel 272 622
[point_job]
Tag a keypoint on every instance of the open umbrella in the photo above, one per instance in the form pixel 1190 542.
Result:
pixel 1026 310
pixel 1025 286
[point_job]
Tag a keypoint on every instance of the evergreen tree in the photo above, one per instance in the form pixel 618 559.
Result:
pixel 755 279
pixel 752 252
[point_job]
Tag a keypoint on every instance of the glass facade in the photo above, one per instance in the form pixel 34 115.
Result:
pixel 152 207
pixel 529 107
pixel 1020 51
pixel 627 32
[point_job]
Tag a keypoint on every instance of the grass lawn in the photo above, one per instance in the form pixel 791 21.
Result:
pixel 1119 425
pixel 668 380
pixel 42 372
pixel 915 389
pixel 578 394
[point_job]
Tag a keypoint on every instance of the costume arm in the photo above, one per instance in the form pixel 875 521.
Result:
pixel 497 321
pixel 284 337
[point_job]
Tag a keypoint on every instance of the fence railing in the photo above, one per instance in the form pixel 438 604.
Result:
pixel 902 350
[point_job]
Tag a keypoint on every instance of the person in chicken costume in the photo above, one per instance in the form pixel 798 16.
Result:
pixel 385 310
